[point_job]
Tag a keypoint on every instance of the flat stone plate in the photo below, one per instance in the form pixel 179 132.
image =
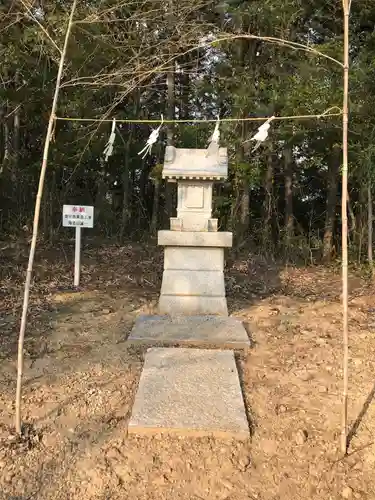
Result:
pixel 190 330
pixel 189 392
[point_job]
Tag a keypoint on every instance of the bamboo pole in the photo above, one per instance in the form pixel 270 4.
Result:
pixel 344 222
pixel 43 169
pixel 369 225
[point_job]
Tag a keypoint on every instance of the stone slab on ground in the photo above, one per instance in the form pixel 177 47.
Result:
pixel 189 392
pixel 190 330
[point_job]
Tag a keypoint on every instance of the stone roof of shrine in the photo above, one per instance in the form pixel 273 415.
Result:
pixel 181 163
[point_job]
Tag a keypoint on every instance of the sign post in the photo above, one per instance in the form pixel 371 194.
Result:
pixel 78 216
pixel 77 257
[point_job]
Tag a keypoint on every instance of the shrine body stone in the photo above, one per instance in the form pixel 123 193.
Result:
pixel 193 276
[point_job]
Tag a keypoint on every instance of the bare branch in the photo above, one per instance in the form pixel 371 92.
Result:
pixel 40 26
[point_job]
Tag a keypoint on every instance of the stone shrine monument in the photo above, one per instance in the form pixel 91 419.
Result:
pixel 193 277
pixel 192 305
pixel 185 390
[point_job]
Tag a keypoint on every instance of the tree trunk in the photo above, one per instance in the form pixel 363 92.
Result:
pixel 125 213
pixel 168 193
pixel 45 203
pixel 288 182
pixel 243 223
pixel 100 198
pixel 2 138
pixel 361 215
pixel 369 227
pixel 353 224
pixel 184 95
pixel 16 136
pixel 244 206
pixel 15 158
pixel 52 201
pixel 235 206
pixel 16 141
pixel 333 170
pixel 245 193
pixel 155 207
pixel 267 204
pixel 170 106
pixel 6 142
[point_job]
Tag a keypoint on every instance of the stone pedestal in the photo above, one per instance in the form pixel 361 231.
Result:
pixel 193 277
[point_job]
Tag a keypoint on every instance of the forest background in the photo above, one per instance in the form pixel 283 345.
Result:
pixel 137 60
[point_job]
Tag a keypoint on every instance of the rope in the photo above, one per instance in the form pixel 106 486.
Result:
pixel 326 114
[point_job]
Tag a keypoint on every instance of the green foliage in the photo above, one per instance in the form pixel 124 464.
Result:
pixel 117 60
pixel 156 172
pixel 251 172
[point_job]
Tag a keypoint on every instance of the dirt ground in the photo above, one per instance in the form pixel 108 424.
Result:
pixel 81 378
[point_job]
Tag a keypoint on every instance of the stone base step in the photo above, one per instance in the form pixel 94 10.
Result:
pixel 189 392
pixel 212 331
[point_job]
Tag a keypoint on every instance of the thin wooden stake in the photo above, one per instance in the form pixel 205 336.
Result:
pixel 344 222
pixel 36 224
pixel 369 226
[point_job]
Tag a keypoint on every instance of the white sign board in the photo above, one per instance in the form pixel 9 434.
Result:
pixel 78 216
